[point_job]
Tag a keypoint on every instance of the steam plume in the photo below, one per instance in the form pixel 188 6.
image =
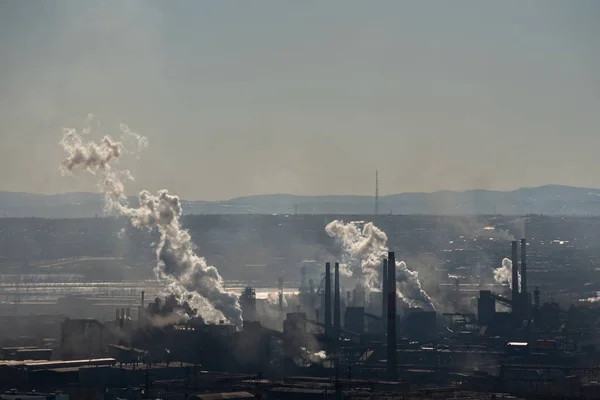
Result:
pixel 273 300
pixel 365 247
pixel 591 300
pixel 503 274
pixel 186 275
pixel 160 321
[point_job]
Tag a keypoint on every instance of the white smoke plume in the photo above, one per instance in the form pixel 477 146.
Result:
pixel 160 321
pixel 185 274
pixel 88 155
pixel 590 300
pixel 365 248
pixel 320 355
pixel 503 274
pixel 273 300
pixel 307 357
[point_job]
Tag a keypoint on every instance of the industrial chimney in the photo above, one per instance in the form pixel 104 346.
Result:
pixel 337 324
pixel 515 277
pixel 391 318
pixel 327 299
pixel 524 268
pixel 142 308
pixel 384 294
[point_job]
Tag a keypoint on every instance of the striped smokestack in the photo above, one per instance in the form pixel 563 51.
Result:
pixel 391 319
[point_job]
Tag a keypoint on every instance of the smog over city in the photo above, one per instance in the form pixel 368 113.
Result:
pixel 297 200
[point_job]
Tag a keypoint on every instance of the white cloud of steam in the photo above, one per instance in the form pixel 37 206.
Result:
pixel 590 300
pixel 89 156
pixel 365 248
pixel 139 142
pixel 312 357
pixel 273 300
pixel 503 274
pixel 409 288
pixel 160 321
pixel 185 274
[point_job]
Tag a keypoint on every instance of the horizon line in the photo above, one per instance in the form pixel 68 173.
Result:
pixel 325 195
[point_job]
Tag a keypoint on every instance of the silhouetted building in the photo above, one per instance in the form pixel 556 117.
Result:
pixel 354 320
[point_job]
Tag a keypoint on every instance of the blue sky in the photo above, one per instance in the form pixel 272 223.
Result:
pixel 306 97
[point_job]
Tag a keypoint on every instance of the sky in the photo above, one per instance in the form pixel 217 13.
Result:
pixel 305 97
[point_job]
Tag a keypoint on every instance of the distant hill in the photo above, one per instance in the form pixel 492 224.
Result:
pixel 549 200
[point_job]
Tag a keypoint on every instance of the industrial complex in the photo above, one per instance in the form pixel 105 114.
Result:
pixel 323 341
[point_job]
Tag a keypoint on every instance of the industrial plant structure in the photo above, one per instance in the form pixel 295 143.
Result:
pixel 354 345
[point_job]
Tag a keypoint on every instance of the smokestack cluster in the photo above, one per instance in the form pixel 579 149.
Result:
pixel 365 248
pixel 391 318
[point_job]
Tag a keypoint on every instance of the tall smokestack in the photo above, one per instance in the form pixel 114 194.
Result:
pixel 391 318
pixel 280 294
pixel 327 299
pixel 141 313
pixel 384 294
pixel 524 293
pixel 337 324
pixel 515 277
pixel 524 267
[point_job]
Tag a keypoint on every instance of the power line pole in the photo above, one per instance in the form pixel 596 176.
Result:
pixel 376 192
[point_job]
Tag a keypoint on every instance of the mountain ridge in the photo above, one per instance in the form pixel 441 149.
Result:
pixel 546 199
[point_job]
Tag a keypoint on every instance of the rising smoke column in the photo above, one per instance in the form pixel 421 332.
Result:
pixel 365 248
pixel 503 274
pixel 186 275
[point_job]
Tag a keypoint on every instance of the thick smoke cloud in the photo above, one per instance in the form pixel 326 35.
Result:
pixel 89 156
pixel 186 275
pixel 503 274
pixel 365 248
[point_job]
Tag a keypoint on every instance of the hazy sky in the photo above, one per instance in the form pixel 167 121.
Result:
pixel 306 97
